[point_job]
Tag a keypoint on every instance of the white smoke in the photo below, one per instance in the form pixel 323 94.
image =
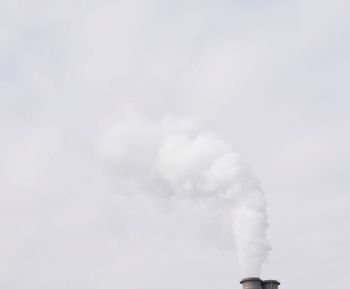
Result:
pixel 180 158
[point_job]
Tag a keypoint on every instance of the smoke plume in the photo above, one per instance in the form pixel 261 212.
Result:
pixel 178 158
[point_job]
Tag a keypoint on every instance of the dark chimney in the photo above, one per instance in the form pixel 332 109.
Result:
pixel 270 284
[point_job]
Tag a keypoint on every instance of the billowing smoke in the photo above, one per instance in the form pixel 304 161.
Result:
pixel 178 158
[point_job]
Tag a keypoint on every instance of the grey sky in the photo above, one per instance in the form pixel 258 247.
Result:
pixel 271 77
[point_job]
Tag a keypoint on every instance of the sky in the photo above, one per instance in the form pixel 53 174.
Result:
pixel 269 77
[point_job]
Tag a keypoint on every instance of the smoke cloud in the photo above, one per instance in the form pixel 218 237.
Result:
pixel 168 203
pixel 182 159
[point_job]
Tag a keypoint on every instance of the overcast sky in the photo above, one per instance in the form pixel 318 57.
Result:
pixel 270 77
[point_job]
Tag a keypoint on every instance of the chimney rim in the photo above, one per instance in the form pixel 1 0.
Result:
pixel 271 281
pixel 250 279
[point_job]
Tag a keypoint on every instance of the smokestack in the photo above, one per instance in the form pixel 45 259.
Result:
pixel 251 283
pixel 270 284
pixel 256 283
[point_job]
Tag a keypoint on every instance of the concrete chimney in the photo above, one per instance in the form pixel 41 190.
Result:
pixel 251 283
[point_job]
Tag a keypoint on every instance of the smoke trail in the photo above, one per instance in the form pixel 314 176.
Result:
pixel 177 156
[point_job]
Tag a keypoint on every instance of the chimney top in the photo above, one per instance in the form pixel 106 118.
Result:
pixel 271 281
pixel 257 283
pixel 250 279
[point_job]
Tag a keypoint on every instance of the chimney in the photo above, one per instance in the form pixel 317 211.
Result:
pixel 270 284
pixel 256 283
pixel 251 283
